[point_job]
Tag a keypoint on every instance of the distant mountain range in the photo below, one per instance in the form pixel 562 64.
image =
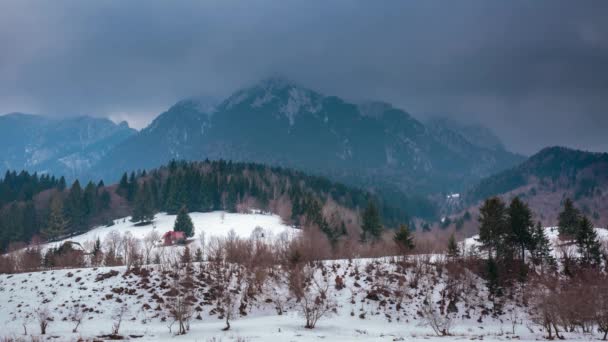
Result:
pixel 276 122
pixel 547 178
pixel 281 123
pixel 68 147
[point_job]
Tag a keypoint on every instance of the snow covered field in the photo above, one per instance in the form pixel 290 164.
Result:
pixel 217 223
pixel 359 316
pixel 377 302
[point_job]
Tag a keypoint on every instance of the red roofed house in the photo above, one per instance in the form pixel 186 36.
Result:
pixel 172 237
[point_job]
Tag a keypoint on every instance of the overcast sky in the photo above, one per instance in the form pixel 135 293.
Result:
pixel 536 72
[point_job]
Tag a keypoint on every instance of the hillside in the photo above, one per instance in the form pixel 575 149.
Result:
pixel 547 178
pixel 63 147
pixel 34 206
pixel 253 290
pixel 278 122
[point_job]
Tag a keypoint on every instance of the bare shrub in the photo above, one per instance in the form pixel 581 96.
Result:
pixel 117 317
pixel 180 310
pixel 43 315
pixel 440 323
pixel 546 306
pixel 149 242
pixel 76 316
pixel 316 301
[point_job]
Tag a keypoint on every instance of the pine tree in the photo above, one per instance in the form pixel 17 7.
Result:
pixel 183 222
pixel 541 253
pixel 186 257
pixel 90 200
pixel 61 186
pixel 74 208
pixel 143 211
pixel 404 239
pixel 372 226
pixel 492 224
pixel 520 225
pixel 198 255
pixel 587 243
pixel 123 185
pixel 56 224
pixel 568 219
pixel 453 250
pixel 132 187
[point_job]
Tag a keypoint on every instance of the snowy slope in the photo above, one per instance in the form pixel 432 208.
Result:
pixel 358 317
pixel 217 223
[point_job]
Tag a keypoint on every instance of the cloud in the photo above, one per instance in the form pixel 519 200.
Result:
pixel 534 71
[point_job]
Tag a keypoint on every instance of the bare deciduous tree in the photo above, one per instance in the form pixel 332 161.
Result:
pixel 44 317
pixel 117 318
pixel 316 301
pixel 440 323
pixel 76 316
pixel 149 242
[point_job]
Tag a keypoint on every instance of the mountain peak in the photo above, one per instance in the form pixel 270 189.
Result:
pixel 281 95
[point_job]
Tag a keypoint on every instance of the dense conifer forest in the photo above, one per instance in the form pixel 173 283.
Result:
pixel 44 207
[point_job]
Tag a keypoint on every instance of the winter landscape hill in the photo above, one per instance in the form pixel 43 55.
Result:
pixel 549 177
pixel 418 298
pixel 279 122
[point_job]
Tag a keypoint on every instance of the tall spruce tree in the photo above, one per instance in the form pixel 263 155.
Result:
pixel 183 222
pixel 569 219
pixel 541 252
pixel 492 225
pixel 372 225
pixel 74 209
pixel 587 243
pixel 56 225
pixel 404 239
pixel 143 210
pixel 520 226
pixel 453 250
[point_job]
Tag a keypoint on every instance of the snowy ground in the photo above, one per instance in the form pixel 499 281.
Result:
pixel 217 223
pixel 359 316
pixel 20 294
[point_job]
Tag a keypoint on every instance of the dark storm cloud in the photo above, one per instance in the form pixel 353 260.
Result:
pixel 534 71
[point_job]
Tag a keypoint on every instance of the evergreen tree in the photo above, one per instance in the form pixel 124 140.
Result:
pixel 453 250
pixel 404 239
pixel 96 247
pixel 520 226
pixel 105 200
pixel 587 243
pixel 143 211
pixel 541 253
pixel 90 200
pixel 492 224
pixel 372 226
pixel 569 219
pixel 56 224
pixel 123 185
pixel 198 255
pixel 62 184
pixel 74 208
pixel 183 222
pixel 186 257
pixel 132 187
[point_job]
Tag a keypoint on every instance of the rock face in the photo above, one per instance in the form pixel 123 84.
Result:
pixel 68 147
pixel 281 123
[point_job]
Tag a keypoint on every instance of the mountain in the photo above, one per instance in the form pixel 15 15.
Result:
pixel 548 177
pixel 282 123
pixel 67 147
pixel 475 134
